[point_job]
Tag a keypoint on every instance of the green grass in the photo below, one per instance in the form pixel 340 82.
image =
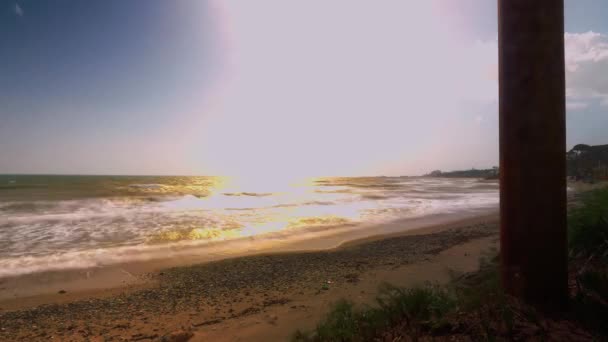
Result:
pixel 588 226
pixel 471 305
pixel 419 308
pixel 588 244
pixel 474 304
pixel 420 311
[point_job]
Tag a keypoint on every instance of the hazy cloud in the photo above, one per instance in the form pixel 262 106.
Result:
pixel 576 105
pixel 18 10
pixel 583 48
pixel 586 68
pixel 385 76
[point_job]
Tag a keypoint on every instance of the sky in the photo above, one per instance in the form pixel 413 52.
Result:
pixel 269 88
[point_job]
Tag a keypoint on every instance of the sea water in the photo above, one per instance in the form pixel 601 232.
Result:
pixel 57 222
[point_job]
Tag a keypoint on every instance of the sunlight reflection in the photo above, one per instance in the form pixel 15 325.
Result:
pixel 212 234
pixel 262 205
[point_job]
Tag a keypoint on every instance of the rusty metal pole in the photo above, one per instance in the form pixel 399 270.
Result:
pixel 532 151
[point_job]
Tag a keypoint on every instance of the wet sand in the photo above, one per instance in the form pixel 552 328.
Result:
pixel 250 297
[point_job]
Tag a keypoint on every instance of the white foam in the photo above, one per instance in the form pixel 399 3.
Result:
pixel 147 186
pixel 42 235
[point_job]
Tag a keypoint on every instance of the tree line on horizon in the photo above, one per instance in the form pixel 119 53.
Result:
pixel 583 162
pixel 472 173
pixel 587 163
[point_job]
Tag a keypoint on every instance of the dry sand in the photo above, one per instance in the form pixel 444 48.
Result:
pixel 260 297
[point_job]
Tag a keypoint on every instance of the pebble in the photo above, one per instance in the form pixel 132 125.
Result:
pixel 178 336
pixel 220 282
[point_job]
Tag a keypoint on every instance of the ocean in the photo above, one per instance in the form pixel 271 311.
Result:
pixel 58 222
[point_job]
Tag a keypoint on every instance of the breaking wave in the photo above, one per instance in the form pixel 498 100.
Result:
pixel 98 223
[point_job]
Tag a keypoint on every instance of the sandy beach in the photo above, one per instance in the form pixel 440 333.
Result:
pixel 258 295
pixel 273 171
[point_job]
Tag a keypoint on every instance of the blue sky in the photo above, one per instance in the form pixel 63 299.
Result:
pixel 268 88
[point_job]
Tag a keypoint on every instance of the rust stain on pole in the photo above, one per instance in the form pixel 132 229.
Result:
pixel 532 151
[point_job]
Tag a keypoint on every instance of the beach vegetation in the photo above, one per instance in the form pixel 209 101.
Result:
pixel 474 306
pixel 420 308
pixel 588 226
pixel 588 251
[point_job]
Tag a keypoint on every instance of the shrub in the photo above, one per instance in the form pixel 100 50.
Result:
pixel 588 226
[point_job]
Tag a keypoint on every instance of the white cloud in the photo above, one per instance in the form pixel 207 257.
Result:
pixel 586 68
pixel 18 10
pixel 576 105
pixel 583 48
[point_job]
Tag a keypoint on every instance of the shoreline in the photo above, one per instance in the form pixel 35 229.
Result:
pixel 292 283
pixel 24 290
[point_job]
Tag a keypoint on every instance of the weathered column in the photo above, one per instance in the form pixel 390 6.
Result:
pixel 532 151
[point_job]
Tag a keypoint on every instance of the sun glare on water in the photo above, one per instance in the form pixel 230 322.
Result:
pixel 253 206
